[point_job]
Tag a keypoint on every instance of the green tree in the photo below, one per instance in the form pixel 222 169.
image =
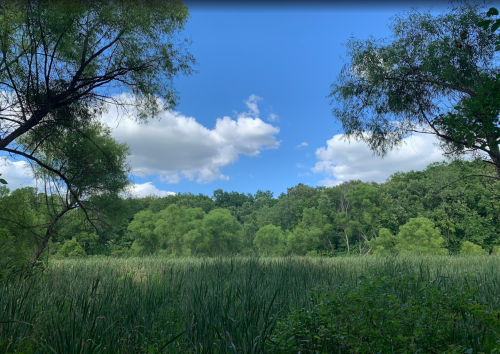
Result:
pixel 170 226
pixel 141 230
pixel 61 65
pixel 469 248
pixel 223 232
pixel 419 237
pixel 74 165
pixel 384 244
pixel 270 241
pixel 424 80
pixel 71 249
pixel 22 220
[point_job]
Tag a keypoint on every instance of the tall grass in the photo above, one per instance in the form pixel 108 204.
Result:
pixel 192 305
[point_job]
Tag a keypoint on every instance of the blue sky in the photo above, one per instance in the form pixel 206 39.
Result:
pixel 255 115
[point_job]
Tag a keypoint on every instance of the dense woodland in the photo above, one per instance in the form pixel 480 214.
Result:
pixel 448 208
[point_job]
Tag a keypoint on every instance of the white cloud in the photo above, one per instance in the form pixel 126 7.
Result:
pixel 273 117
pixel 16 173
pixel 302 144
pixel 177 146
pixel 146 189
pixel 251 103
pixel 342 160
pixel 299 165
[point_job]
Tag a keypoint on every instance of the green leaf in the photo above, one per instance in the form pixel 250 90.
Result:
pixel 492 11
pixel 485 24
pixel 3 181
pixel 495 26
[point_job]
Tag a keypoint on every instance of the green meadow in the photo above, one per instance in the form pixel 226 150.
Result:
pixel 438 304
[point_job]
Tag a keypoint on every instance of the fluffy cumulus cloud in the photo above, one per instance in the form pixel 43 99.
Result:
pixel 342 160
pixel 16 173
pixel 140 190
pixel 176 146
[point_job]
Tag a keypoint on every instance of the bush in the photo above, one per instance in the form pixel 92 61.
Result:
pixel 71 249
pixel 469 248
pixel 419 237
pixel 384 244
pixel 386 314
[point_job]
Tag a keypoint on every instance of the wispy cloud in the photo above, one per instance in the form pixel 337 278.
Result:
pixel 302 144
pixel 251 103
pixel 273 118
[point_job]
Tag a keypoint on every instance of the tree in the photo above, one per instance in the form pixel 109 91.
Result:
pixel 432 78
pixel 22 220
pixel 419 237
pixel 60 65
pixel 141 230
pixel 223 232
pixel 384 244
pixel 71 249
pixel 469 248
pixel 89 162
pixel 170 226
pixel 270 241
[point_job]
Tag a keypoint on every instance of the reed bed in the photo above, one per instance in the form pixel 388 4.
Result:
pixel 196 305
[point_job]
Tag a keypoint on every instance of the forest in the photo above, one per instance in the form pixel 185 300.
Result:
pixel 448 208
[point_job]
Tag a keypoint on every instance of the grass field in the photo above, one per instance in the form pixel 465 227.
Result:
pixel 241 305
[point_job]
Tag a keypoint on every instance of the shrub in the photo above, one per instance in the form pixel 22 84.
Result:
pixel 71 249
pixel 419 237
pixel 469 248
pixel 386 314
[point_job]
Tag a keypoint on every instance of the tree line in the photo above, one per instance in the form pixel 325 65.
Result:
pixel 440 210
pixel 61 62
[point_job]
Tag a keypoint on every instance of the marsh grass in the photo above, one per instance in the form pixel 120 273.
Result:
pixel 212 305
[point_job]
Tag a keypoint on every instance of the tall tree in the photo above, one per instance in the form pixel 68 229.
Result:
pixel 60 63
pixel 428 79
pixel 75 166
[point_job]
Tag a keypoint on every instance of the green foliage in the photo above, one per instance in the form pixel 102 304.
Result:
pixel 384 244
pixel 60 61
pixel 419 237
pixel 141 230
pixel 232 305
pixel 270 241
pixel 22 220
pixel 384 313
pixel 468 248
pixel 71 249
pixel 223 232
pixel 452 59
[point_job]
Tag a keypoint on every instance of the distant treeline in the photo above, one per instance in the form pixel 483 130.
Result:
pixel 448 208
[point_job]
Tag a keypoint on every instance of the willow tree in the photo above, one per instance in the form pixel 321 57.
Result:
pixel 433 76
pixel 62 63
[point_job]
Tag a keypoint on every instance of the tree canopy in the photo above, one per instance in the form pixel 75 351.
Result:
pixel 428 78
